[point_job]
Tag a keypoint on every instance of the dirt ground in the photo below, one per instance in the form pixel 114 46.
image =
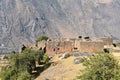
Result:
pixel 64 69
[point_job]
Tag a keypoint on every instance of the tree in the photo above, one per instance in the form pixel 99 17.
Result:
pixel 42 38
pixel 101 67
pixel 8 73
pixel 40 54
pixel 19 65
pixel 22 65
pixel 24 76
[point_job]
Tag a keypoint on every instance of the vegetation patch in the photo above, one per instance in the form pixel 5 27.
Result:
pixel 43 37
pixel 23 65
pixel 100 67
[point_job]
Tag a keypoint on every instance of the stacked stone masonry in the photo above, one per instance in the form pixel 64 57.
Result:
pixel 62 45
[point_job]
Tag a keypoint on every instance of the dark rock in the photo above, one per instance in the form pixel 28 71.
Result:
pixel 106 50
pixel 115 45
pixel 87 37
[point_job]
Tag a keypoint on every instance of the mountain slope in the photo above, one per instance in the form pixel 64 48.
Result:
pixel 21 21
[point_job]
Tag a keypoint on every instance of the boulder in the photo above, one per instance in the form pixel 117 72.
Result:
pixel 65 55
pixel 86 54
pixel 77 54
pixel 78 60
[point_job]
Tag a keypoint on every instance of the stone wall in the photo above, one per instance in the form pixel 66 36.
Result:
pixel 62 45
pixel 90 46
pixel 56 47
pixel 107 41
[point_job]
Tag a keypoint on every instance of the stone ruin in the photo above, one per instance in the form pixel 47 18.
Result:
pixel 80 44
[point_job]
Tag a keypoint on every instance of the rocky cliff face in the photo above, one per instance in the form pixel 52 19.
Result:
pixel 21 21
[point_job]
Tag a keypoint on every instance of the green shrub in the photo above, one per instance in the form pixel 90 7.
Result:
pixel 29 68
pixel 8 73
pixel 101 67
pixel 45 58
pixel 24 76
pixel 40 54
pixel 32 63
pixel 39 59
pixel 22 65
pixel 42 38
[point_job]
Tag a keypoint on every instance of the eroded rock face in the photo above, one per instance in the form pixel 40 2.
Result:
pixel 22 21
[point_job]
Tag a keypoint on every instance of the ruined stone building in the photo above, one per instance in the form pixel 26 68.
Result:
pixel 56 45
pixel 89 45
pixel 62 45
pixel 107 41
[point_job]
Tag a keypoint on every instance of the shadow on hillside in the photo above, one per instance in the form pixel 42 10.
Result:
pixel 40 69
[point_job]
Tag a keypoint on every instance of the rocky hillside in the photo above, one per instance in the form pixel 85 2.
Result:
pixel 21 21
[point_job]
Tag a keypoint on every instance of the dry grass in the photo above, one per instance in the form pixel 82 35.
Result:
pixel 4 63
pixel 62 70
pixel 65 69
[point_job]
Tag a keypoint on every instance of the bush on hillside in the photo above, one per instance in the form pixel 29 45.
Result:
pixel 24 76
pixel 100 67
pixel 42 38
pixel 45 59
pixel 22 65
